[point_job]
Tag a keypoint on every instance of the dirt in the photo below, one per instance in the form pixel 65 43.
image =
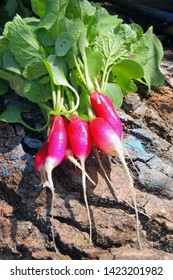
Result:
pixel 25 207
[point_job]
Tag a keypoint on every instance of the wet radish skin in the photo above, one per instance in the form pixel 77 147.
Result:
pixel 40 157
pixel 105 137
pixel 79 136
pixel 57 142
pixel 104 108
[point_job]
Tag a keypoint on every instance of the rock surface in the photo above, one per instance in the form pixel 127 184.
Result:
pixel 25 207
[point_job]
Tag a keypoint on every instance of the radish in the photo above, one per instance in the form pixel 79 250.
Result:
pixel 108 141
pixel 70 155
pixel 39 161
pixel 105 137
pixel 104 108
pixel 57 143
pixel 81 143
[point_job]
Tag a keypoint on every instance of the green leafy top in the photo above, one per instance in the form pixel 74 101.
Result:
pixel 23 43
pixel 73 48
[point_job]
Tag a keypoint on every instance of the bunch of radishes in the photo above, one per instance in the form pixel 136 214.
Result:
pixel 74 138
pixel 76 62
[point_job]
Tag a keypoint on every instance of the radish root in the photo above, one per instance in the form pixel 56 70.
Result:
pixel 102 167
pixel 85 195
pixel 49 183
pixel 131 185
pixel 127 153
pixel 76 163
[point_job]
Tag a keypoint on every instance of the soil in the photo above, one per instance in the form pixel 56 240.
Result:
pixel 25 206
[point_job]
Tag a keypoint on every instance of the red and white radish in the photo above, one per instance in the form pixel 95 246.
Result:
pixel 81 144
pixel 104 108
pixel 70 155
pixel 57 143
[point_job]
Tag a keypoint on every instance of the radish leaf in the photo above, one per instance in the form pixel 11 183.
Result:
pixel 55 10
pixel 63 43
pixel 106 21
pixel 73 9
pixel 36 92
pixel 73 49
pixel 139 51
pixel 87 11
pixel 35 71
pixel 95 64
pixel 17 84
pixel 10 63
pixel 115 94
pixel 111 46
pixel 4 85
pixel 39 7
pixel 13 115
pixel 57 70
pixel 152 73
pixel 23 43
pixel 125 72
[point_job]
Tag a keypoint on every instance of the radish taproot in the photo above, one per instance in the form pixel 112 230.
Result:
pixel 107 140
pixel 104 108
pixel 102 167
pixel 81 143
pixel 57 143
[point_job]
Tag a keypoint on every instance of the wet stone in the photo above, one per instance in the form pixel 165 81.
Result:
pixel 20 130
pixel 141 133
pixel 8 137
pixel 4 170
pixel 32 143
pixel 140 111
pixel 155 181
pixel 157 164
pixel 136 149
pixel 17 153
pixel 15 160
pixel 21 160
pixel 131 102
